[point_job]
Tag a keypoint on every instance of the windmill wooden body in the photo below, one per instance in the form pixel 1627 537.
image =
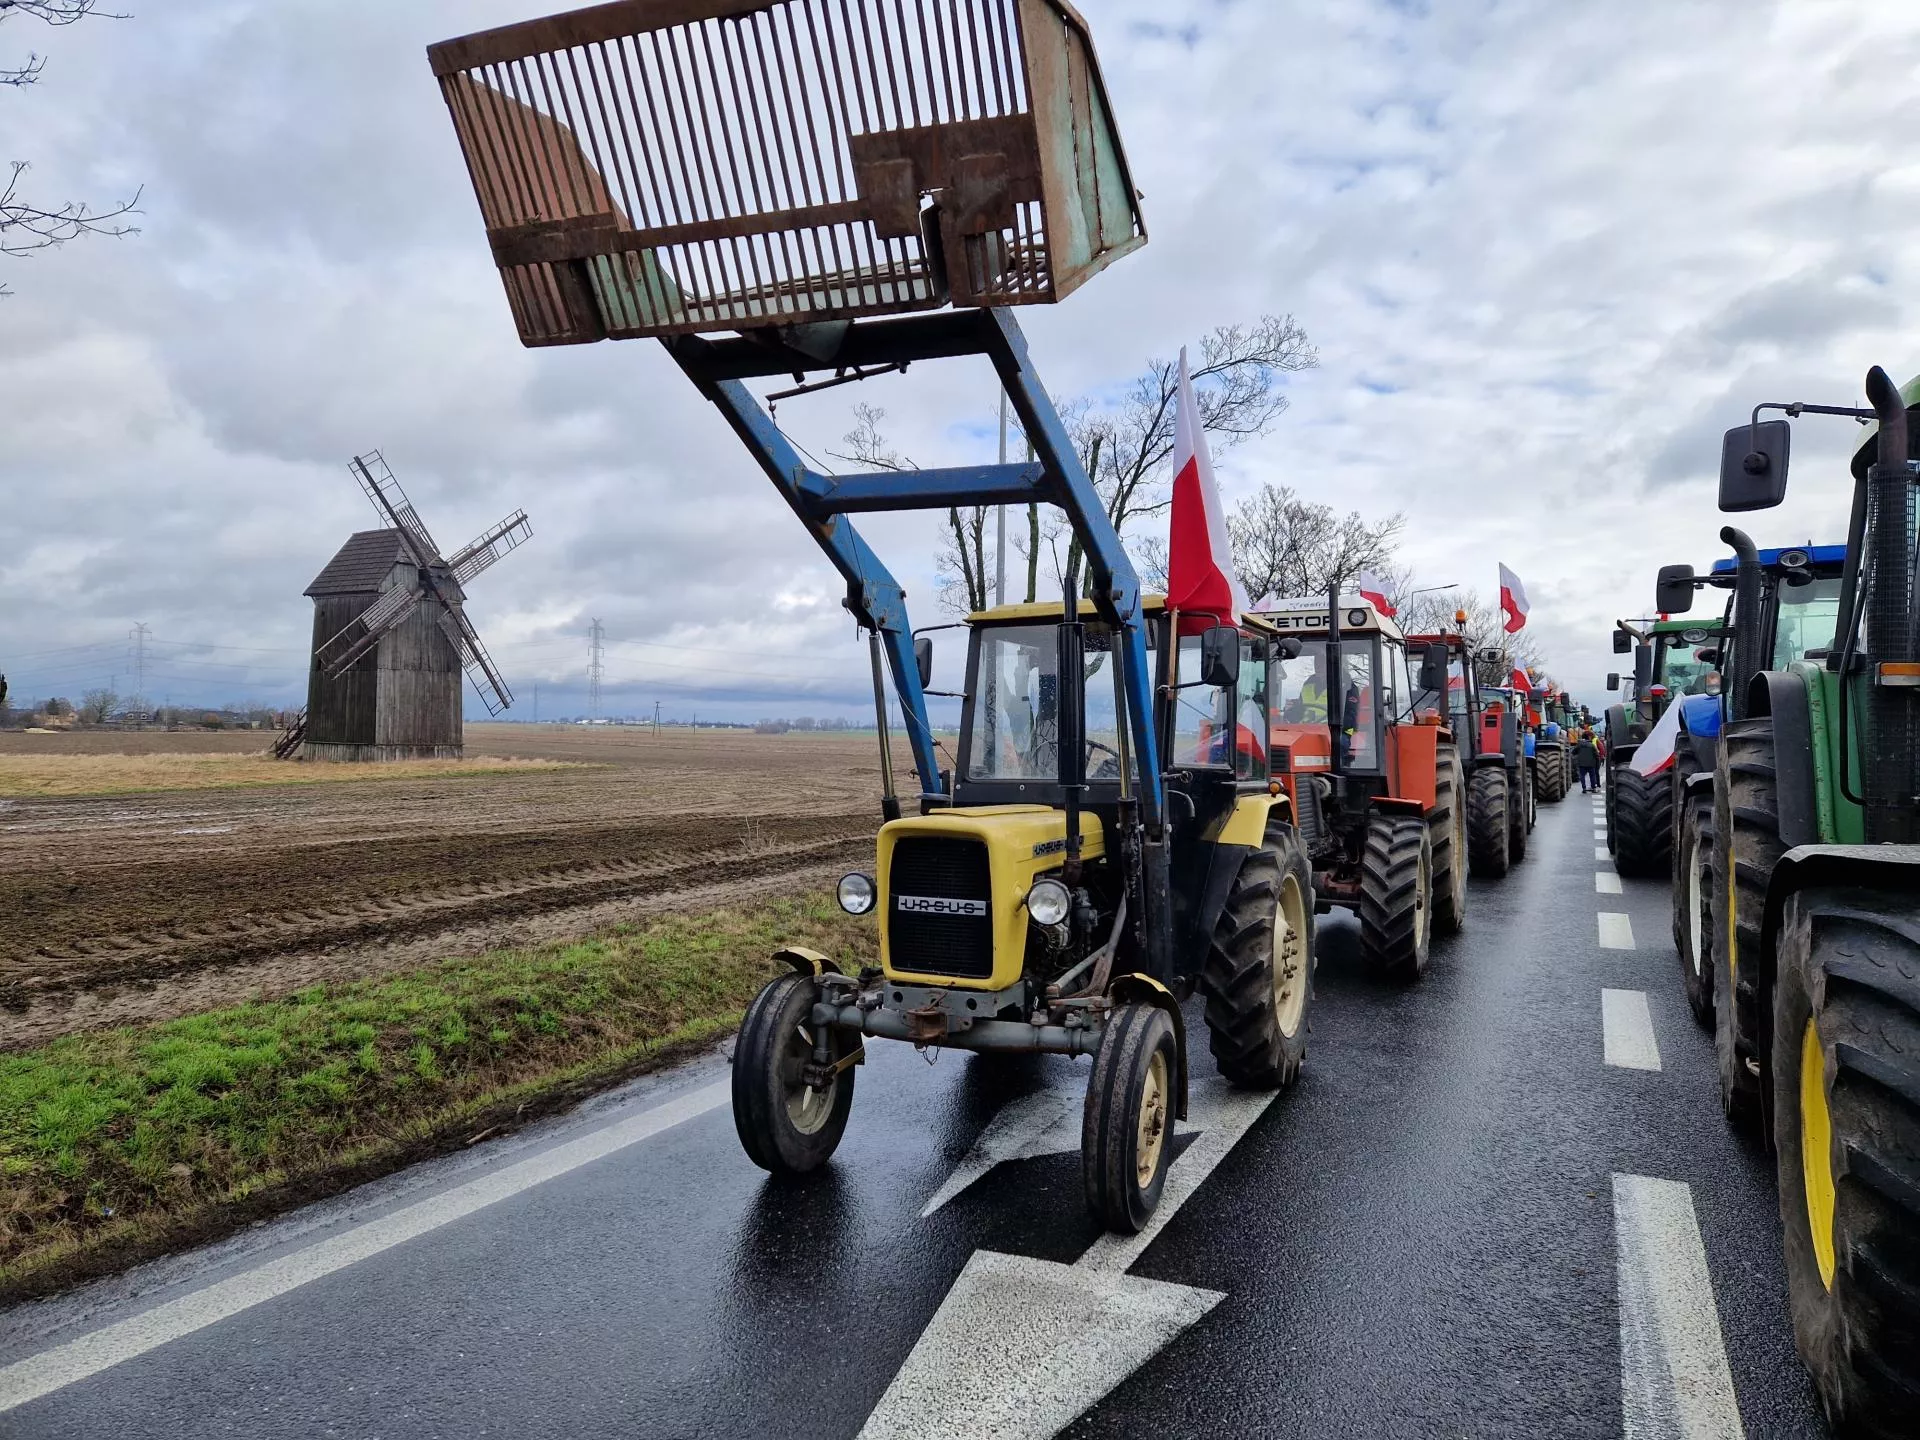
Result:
pixel 391 635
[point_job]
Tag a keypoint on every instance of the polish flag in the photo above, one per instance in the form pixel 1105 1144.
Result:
pixel 1200 576
pixel 1373 590
pixel 1513 599
pixel 1522 681
pixel 1656 751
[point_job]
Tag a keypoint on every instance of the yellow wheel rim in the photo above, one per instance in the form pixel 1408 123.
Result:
pixel 1290 978
pixel 1733 926
pixel 1816 1150
pixel 1152 1134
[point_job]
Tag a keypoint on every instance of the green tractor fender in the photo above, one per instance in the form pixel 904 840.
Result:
pixel 1782 696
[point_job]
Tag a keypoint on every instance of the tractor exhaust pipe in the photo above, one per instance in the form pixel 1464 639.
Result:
pixel 1336 687
pixel 1891 757
pixel 1746 622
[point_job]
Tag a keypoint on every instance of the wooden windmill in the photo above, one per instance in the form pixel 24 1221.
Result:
pixel 391 635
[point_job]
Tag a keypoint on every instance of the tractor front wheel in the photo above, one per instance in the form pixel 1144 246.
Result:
pixel 788 1126
pixel 1846 1118
pixel 1746 846
pixel 1693 903
pixel 1396 895
pixel 1642 823
pixel 1447 829
pixel 1126 1133
pixel 1487 830
pixel 1258 975
pixel 1519 813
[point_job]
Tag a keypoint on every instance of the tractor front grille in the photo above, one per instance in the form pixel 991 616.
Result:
pixel 940 907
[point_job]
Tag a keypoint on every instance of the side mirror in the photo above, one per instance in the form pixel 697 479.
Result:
pixel 923 659
pixel 1622 642
pixel 1287 647
pixel 1673 590
pixel 1613 680
pixel 1220 656
pixel 1433 667
pixel 1753 466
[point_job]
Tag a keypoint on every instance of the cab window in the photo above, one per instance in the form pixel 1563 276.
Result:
pixel 1202 714
pixel 1300 689
pixel 1250 711
pixel 1808 615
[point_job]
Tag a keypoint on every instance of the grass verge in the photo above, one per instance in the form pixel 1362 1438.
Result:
pixel 33 776
pixel 120 1144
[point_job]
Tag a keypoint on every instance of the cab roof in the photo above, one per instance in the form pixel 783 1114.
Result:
pixel 1823 557
pixel 1307 615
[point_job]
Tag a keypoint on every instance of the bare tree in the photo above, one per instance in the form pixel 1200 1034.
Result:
pixel 1284 545
pixel 962 560
pixel 1495 652
pixel 97 706
pixel 26 225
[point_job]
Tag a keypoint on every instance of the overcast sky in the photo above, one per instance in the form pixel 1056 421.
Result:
pixel 1549 252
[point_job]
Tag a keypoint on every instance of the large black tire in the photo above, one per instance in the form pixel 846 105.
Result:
pixel 1746 834
pixel 1642 824
pixel 1126 1131
pixel 1846 1124
pixel 1396 895
pixel 1487 834
pixel 786 1127
pixel 1258 974
pixel 1447 833
pixel 1549 774
pixel 1519 812
pixel 1693 902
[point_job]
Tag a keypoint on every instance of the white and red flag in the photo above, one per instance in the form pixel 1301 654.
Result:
pixel 1656 751
pixel 1373 590
pixel 1513 599
pixel 1200 576
pixel 1522 681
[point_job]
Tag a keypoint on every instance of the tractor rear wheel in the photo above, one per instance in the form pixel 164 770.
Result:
pixel 1846 1122
pixel 1693 903
pixel 1126 1132
pixel 786 1126
pixel 1396 895
pixel 1746 834
pixel 1642 823
pixel 1487 835
pixel 1258 974
pixel 1447 830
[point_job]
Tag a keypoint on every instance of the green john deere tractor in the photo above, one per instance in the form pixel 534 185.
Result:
pixel 1817 857
pixel 1671 658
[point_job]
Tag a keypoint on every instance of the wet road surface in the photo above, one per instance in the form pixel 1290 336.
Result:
pixel 1500 1202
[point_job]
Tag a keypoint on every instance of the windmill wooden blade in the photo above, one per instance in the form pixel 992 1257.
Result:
pixel 363 632
pixel 475 661
pixel 391 501
pixel 472 558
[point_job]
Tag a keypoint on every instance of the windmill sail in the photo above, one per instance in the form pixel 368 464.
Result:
pixel 391 501
pixel 364 631
pixel 475 661
pixel 471 559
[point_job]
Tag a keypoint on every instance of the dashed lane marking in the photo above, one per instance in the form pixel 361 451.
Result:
pixel 1626 1026
pixel 1600 852
pixel 1616 930
pixel 1674 1379
pixel 1605 882
pixel 89 1354
pixel 1599 832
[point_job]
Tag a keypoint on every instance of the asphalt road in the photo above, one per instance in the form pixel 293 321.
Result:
pixel 1498 1203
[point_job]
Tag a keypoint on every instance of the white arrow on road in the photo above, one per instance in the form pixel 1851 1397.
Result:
pixel 1020 1347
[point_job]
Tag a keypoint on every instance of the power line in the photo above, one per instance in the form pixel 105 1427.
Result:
pixel 596 667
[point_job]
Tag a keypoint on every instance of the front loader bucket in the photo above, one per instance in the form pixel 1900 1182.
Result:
pixel 654 167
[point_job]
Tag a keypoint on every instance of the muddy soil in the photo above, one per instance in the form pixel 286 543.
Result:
pixel 139 907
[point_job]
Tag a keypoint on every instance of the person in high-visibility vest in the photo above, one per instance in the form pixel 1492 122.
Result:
pixel 1313 698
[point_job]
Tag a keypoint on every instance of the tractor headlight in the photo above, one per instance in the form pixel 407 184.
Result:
pixel 1049 902
pixel 855 893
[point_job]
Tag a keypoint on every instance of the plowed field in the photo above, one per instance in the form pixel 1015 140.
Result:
pixel 128 907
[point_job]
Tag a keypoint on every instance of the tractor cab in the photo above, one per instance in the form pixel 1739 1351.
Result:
pixel 1491 731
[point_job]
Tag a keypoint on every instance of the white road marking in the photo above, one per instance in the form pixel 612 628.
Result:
pixel 1674 1379
pixel 1627 1026
pixel 1020 1347
pixel 1599 832
pixel 1600 852
pixel 1606 882
pixel 89 1354
pixel 1616 930
pixel 1044 1123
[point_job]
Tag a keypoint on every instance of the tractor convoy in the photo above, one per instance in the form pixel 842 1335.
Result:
pixel 1150 799
pixel 1766 762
